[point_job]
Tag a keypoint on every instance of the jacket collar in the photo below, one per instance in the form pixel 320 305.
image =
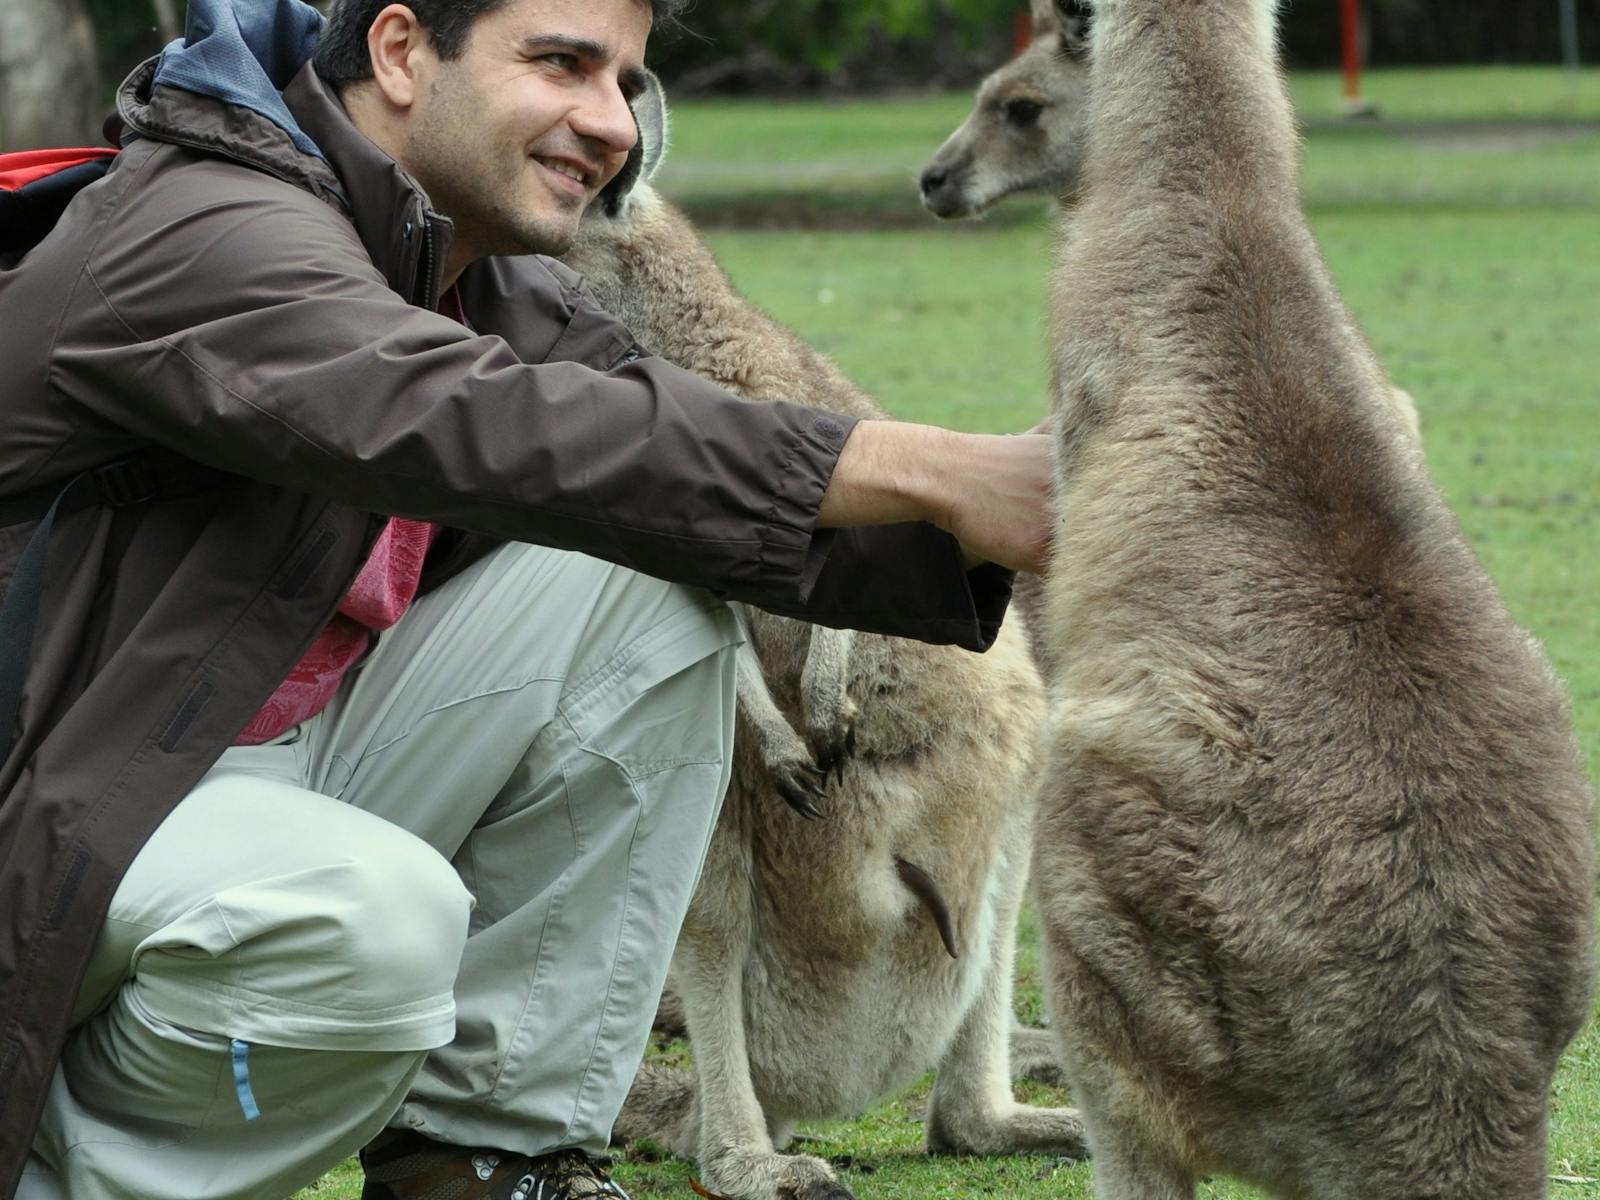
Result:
pixel 165 113
pixel 405 238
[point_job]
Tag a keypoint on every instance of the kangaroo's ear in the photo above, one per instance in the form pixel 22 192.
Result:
pixel 1042 14
pixel 650 115
pixel 650 110
pixel 1072 23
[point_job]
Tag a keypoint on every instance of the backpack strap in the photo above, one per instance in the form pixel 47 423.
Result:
pixel 137 479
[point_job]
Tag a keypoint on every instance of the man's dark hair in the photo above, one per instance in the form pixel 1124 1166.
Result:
pixel 342 57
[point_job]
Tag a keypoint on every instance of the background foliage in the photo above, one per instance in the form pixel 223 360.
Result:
pixel 853 45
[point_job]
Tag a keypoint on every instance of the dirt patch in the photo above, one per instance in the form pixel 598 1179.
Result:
pixel 840 212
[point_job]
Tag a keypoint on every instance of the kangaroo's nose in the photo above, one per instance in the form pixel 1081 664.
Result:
pixel 932 179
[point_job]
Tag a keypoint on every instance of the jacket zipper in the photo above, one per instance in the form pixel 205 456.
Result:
pixel 425 295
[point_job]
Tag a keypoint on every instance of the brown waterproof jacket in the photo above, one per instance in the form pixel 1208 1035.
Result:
pixel 268 312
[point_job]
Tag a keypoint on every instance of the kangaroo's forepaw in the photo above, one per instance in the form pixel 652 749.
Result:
pixel 671 1019
pixel 834 749
pixel 802 784
pixel 662 1107
pixel 816 1189
pixel 835 743
pixel 1036 1055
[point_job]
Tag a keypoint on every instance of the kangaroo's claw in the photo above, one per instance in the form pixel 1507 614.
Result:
pixel 801 784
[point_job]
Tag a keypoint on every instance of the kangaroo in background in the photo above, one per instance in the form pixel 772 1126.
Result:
pixel 824 965
pixel 1315 849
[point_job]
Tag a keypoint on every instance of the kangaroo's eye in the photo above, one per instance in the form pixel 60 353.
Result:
pixel 1023 112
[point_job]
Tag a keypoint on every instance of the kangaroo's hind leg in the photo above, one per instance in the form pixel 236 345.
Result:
pixel 1127 1167
pixel 971 1110
pixel 734 1148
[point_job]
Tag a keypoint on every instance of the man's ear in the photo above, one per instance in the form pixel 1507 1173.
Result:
pixel 650 115
pixel 397 44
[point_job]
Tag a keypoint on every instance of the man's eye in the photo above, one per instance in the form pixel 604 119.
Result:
pixel 1023 112
pixel 562 62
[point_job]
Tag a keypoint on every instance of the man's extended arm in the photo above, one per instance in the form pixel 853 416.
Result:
pixel 991 491
pixel 191 328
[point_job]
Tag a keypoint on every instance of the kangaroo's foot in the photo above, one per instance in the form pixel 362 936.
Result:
pixel 1009 1128
pixel 743 1174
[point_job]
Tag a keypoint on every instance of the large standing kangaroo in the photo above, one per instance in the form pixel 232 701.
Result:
pixel 1315 857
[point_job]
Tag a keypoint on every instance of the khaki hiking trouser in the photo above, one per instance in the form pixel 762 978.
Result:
pixel 446 903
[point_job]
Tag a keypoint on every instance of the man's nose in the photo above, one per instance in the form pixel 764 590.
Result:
pixel 608 119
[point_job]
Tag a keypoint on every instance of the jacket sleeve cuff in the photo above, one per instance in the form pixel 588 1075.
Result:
pixel 792 547
pixel 905 581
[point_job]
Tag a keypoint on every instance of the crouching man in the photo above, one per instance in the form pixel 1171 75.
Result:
pixel 321 829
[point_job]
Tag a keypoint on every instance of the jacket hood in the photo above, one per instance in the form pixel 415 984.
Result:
pixel 220 90
pixel 244 53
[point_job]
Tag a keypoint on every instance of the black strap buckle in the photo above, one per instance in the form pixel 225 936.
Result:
pixel 126 482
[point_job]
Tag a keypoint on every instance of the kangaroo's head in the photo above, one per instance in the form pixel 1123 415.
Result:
pixel 1026 130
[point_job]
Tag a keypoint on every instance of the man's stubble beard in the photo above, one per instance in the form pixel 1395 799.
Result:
pixel 491 221
pixel 479 186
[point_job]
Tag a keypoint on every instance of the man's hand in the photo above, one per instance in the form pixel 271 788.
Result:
pixel 993 492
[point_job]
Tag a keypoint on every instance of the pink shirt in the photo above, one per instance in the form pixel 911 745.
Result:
pixel 378 598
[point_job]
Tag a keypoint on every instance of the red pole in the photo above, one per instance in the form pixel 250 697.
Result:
pixel 1350 25
pixel 1024 34
pixel 1350 22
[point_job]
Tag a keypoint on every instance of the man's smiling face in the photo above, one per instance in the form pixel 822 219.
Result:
pixel 515 138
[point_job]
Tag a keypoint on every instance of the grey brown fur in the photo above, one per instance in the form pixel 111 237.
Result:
pixel 1315 857
pixel 813 979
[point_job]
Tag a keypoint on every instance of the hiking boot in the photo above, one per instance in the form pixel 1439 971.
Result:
pixel 403 1165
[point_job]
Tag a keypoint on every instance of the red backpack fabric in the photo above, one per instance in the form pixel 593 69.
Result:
pixel 25 166
pixel 35 188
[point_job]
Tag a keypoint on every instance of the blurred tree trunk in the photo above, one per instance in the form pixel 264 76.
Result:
pixel 167 20
pixel 49 78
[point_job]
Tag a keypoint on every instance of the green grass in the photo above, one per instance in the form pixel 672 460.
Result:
pixel 1463 231
pixel 1454 94
pixel 834 162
